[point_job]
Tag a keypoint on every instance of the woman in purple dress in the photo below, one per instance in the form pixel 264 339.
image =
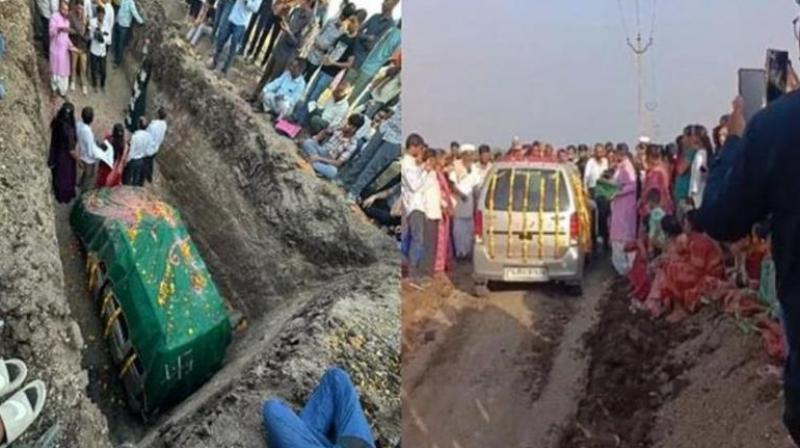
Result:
pixel 623 210
pixel 63 153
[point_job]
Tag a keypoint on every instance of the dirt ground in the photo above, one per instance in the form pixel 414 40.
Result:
pixel 703 382
pixel 488 362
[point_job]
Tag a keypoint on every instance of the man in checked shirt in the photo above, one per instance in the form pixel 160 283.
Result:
pixel 330 149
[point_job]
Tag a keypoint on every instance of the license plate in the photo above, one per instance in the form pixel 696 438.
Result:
pixel 525 274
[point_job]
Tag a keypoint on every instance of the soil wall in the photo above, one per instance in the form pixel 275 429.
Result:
pixel 38 326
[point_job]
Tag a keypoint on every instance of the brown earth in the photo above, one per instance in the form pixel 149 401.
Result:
pixel 702 382
pixel 40 327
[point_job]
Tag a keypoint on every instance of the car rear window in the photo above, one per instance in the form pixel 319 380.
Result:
pixel 534 177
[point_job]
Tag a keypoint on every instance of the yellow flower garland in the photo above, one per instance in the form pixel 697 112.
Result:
pixel 542 194
pixel 490 226
pixel 557 192
pixel 510 208
pixel 525 217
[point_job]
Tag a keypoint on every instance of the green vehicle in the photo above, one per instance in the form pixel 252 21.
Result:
pixel 165 322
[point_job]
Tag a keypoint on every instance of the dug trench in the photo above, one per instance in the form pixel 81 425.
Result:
pixel 703 382
pixel 315 283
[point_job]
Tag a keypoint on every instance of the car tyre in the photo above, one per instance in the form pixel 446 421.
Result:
pixel 482 290
pixel 574 289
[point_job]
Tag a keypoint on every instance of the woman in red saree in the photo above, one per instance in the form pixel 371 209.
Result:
pixel 108 177
pixel 442 258
pixel 691 269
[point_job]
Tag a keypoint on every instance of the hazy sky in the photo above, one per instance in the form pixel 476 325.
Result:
pixel 559 70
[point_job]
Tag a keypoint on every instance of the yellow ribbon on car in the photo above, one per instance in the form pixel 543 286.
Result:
pixel 557 192
pixel 525 216
pixel 510 209
pixel 542 195
pixel 490 224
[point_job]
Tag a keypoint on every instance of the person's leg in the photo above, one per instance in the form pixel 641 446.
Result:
pixel 103 64
pixel 268 101
pixel 383 157
pixel 82 65
pixel 322 82
pixel 237 36
pixel 273 37
pixel 225 33
pixel 311 147
pixel 353 168
pixel 431 237
pixel 248 34
pixel 416 229
pixel 263 34
pixel 73 65
pixel 326 170
pixel 316 124
pixel 93 68
pixel 45 35
pixel 359 85
pixel 285 429
pixel 333 409
pixel 124 33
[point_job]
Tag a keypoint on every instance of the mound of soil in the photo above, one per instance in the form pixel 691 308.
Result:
pixel 631 375
pixel 37 323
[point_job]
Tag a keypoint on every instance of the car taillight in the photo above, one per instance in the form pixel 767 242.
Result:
pixel 574 227
pixel 478 227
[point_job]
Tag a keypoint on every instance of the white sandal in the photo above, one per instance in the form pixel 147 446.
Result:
pixel 19 412
pixel 12 374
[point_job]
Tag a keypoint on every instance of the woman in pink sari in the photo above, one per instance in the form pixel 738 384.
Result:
pixel 60 46
pixel 442 259
pixel 623 210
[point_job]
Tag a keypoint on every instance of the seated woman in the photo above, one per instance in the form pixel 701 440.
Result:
pixel 332 416
pixel 690 269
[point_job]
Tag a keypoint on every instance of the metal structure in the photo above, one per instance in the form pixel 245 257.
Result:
pixel 640 47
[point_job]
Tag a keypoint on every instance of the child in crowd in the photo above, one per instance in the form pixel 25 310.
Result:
pixel 656 237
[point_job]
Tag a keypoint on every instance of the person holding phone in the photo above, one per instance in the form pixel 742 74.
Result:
pixel 754 178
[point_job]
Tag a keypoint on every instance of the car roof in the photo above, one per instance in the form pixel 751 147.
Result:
pixel 541 164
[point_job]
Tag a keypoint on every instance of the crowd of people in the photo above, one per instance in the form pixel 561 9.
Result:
pixel 439 189
pixel 699 220
pixel 77 36
pixel 330 80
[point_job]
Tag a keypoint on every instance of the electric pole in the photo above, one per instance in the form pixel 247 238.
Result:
pixel 639 49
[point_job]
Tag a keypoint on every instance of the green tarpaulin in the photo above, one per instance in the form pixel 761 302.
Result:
pixel 176 319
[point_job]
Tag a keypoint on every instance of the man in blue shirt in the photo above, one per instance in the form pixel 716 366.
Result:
pixel 753 177
pixel 126 14
pixel 372 31
pixel 280 96
pixel 234 31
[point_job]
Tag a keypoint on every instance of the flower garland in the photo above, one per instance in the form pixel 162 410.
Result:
pixel 525 217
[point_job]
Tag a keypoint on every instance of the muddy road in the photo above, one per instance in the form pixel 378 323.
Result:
pixel 498 371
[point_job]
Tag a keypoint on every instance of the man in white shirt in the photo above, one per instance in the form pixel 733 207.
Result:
pixel 466 182
pixel 413 199
pixel 281 94
pixel 333 114
pixel 432 209
pixel 595 167
pixel 141 144
pixel 157 129
pixel 100 38
pixel 234 30
pixel 90 152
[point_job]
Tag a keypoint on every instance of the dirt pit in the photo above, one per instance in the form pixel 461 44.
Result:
pixel 702 382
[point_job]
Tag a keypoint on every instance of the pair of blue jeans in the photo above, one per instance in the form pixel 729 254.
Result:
pixel 369 164
pixel 234 33
pixel 221 15
pixel 332 413
pixel 120 41
pixel 319 85
pixel 312 148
